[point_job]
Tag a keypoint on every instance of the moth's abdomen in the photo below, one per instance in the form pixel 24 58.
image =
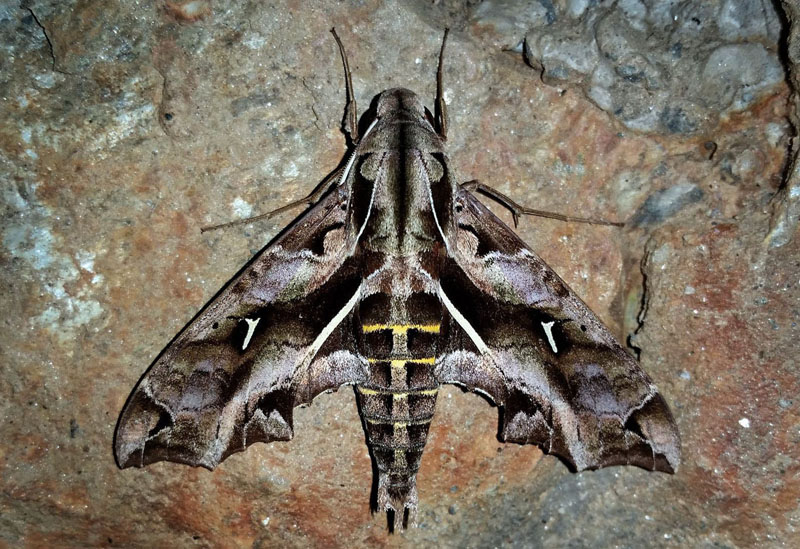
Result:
pixel 397 402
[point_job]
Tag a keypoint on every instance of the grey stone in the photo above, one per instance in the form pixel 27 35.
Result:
pixel 628 57
pixel 666 203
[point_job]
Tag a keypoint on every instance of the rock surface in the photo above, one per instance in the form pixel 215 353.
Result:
pixel 125 127
pixel 671 67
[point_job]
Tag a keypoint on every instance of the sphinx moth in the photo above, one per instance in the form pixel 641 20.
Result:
pixel 397 280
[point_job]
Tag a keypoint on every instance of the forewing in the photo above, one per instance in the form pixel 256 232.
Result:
pixel 276 336
pixel 520 335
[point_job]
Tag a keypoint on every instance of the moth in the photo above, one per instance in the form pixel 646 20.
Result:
pixel 396 281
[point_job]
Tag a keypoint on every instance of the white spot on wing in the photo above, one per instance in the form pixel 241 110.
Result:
pixel 251 328
pixel 548 331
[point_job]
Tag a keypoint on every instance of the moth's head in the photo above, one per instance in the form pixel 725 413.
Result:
pixel 401 102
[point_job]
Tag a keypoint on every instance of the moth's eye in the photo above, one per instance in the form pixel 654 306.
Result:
pixel 583 327
pixel 215 325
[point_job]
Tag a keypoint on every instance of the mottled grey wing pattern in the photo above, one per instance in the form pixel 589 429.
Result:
pixel 279 334
pixel 520 335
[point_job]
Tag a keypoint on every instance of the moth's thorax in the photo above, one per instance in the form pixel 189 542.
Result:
pixel 401 219
pixel 398 176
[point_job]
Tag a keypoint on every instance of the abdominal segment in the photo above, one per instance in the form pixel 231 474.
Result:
pixel 398 400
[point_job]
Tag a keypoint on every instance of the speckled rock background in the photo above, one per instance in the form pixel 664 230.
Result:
pixel 127 126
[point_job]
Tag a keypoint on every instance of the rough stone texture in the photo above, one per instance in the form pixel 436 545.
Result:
pixel 125 127
pixel 671 67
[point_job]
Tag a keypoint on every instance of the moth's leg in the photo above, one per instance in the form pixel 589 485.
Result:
pixel 517 210
pixel 312 198
pixel 441 108
pixel 350 121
